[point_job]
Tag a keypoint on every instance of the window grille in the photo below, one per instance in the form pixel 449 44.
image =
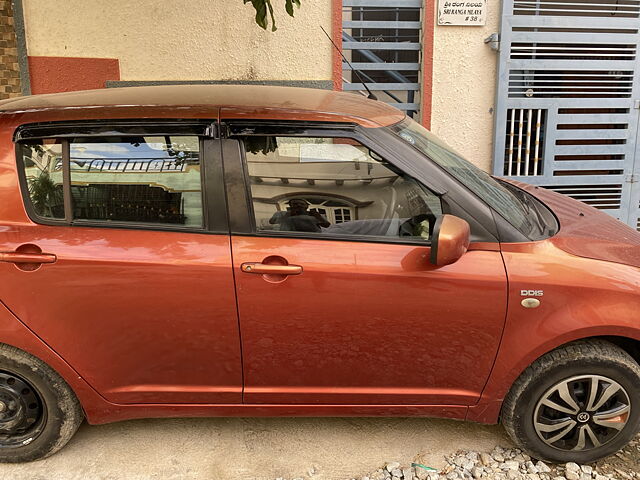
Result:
pixel 525 134
pixel 382 40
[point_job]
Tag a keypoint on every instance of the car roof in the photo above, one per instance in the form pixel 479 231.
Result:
pixel 233 101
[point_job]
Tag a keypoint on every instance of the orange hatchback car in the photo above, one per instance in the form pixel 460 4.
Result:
pixel 265 251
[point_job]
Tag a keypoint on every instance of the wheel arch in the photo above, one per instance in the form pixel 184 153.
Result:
pixel 488 409
pixel 629 345
pixel 15 334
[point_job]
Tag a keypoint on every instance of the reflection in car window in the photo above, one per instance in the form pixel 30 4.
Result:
pixel 137 179
pixel 334 186
pixel 145 179
pixel 42 163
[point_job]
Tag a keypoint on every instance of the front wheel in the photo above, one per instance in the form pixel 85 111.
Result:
pixel 578 403
pixel 39 412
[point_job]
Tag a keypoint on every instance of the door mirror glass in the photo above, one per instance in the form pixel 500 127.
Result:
pixel 450 240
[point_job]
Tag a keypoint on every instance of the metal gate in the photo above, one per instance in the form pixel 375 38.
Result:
pixel 568 100
pixel 383 40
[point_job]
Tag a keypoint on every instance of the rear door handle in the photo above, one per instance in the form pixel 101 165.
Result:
pixel 262 269
pixel 17 257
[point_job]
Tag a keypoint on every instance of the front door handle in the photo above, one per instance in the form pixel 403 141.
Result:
pixel 18 257
pixel 265 269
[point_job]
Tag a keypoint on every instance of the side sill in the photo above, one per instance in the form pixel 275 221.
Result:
pixel 115 412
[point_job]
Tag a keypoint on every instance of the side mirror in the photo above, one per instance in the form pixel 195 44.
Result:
pixel 450 240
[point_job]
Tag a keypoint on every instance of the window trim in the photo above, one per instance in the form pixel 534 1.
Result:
pixel 310 131
pixel 214 211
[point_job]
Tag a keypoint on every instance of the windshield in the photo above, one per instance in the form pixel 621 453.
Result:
pixel 513 204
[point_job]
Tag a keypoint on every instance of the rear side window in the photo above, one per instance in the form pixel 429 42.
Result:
pixel 334 186
pixel 42 163
pixel 142 180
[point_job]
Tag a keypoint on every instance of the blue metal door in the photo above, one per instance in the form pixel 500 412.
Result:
pixel 567 108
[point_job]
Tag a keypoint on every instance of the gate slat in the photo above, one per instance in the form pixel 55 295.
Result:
pixel 592 149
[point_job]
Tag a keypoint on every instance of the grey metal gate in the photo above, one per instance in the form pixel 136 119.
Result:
pixel 383 40
pixel 568 100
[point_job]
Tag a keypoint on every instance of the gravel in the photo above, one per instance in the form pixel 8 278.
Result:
pixel 512 464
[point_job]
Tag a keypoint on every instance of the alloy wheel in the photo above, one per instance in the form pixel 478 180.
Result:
pixel 582 413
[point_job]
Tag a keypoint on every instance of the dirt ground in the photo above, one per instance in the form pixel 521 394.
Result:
pixel 627 460
pixel 253 448
pixel 266 448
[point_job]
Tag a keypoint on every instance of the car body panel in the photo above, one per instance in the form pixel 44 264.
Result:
pixel 118 302
pixel 588 232
pixel 582 298
pixel 238 101
pixel 367 323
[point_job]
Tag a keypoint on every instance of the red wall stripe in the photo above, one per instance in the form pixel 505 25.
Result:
pixel 66 74
pixel 428 26
pixel 336 33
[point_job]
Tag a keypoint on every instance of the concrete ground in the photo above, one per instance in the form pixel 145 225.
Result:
pixel 254 448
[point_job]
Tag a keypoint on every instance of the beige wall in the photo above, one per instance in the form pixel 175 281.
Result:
pixel 218 40
pixel 184 40
pixel 464 79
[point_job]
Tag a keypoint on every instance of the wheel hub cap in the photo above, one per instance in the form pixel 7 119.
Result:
pixel 21 411
pixel 583 417
pixel 582 413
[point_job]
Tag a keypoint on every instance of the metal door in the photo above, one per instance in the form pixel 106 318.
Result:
pixel 567 100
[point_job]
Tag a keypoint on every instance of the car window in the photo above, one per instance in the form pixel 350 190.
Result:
pixel 42 163
pixel 334 186
pixel 143 180
pixel 497 195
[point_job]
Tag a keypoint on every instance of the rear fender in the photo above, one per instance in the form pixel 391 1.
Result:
pixel 13 332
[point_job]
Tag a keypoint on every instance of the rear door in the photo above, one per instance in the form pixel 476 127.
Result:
pixel 338 303
pixel 139 294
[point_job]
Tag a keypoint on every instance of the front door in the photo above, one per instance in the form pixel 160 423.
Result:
pixel 338 303
pixel 140 298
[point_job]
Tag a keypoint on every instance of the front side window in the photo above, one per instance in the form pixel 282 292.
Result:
pixel 334 186
pixel 142 179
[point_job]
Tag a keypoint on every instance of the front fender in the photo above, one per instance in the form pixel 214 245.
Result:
pixel 581 298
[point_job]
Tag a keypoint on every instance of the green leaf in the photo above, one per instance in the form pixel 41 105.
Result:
pixel 289 6
pixel 261 13
pixel 261 7
pixel 273 19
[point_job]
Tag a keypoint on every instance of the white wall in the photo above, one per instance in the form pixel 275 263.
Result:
pixel 464 80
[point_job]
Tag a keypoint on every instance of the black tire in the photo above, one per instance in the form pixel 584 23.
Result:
pixel 569 365
pixel 56 412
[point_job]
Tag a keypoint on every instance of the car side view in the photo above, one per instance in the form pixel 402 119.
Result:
pixel 182 251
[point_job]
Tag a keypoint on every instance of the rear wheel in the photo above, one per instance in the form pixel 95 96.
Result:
pixel 579 403
pixel 39 412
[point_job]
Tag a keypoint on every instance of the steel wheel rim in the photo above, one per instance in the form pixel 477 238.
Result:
pixel 582 413
pixel 22 411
